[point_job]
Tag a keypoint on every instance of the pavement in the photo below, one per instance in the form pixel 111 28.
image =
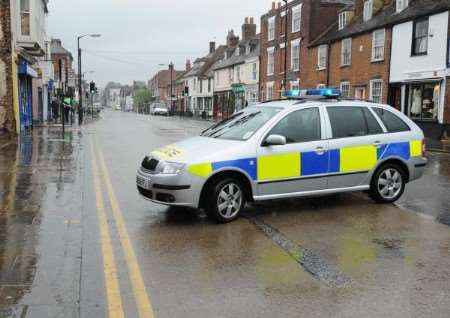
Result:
pixel 76 240
pixel 434 145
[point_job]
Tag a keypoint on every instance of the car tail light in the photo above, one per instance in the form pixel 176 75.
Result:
pixel 424 147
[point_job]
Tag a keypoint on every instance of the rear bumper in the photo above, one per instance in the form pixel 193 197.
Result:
pixel 418 168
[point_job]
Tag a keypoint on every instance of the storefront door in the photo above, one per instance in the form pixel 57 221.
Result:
pixel 25 102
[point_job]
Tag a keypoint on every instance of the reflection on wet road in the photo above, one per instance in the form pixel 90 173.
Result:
pixel 336 256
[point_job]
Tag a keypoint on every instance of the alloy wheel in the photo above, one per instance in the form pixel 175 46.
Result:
pixel 390 184
pixel 229 201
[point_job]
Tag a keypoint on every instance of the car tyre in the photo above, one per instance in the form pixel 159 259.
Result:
pixel 225 200
pixel 388 183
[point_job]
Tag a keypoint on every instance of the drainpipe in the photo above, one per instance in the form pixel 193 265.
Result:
pixel 328 63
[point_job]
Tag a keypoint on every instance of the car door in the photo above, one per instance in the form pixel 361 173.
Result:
pixel 301 164
pixel 355 137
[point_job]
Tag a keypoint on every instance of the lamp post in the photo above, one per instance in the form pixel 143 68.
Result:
pixel 171 66
pixel 80 92
pixel 285 42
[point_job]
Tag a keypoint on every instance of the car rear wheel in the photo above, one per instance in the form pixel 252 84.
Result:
pixel 225 200
pixel 388 183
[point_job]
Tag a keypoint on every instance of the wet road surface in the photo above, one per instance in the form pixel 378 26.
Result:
pixel 76 240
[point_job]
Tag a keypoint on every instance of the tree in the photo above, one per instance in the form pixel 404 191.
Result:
pixel 141 98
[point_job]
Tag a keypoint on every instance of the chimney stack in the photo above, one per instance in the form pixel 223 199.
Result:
pixel 232 40
pixel 212 47
pixel 273 6
pixel 248 29
pixel 188 65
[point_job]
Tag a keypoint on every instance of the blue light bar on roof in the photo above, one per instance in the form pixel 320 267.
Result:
pixel 325 92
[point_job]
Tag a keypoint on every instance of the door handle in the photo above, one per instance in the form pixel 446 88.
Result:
pixel 377 144
pixel 320 150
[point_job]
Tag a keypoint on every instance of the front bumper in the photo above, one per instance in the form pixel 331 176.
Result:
pixel 171 190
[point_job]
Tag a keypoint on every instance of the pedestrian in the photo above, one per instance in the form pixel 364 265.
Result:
pixel 55 109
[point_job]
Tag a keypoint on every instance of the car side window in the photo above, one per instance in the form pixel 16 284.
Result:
pixel 392 122
pixel 373 126
pixel 348 121
pixel 299 126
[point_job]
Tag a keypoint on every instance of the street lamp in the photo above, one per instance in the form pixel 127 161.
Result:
pixel 171 66
pixel 80 93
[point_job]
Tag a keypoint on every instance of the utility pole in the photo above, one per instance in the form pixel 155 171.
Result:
pixel 171 67
pixel 285 43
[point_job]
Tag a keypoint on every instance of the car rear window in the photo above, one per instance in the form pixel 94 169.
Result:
pixel 392 122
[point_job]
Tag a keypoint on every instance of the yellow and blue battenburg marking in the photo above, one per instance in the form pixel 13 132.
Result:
pixel 306 164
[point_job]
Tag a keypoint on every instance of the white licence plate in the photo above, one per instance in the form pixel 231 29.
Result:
pixel 143 183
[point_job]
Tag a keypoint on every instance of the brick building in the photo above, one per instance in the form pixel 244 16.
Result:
pixel 354 54
pixel 306 20
pixel 7 121
pixel 369 53
pixel 160 84
pixel 62 61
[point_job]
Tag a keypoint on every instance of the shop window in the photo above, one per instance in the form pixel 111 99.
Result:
pixel 420 37
pixel 424 101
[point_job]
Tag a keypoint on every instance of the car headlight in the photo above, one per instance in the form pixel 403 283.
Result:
pixel 167 167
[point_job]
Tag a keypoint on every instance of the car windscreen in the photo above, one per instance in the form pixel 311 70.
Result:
pixel 242 125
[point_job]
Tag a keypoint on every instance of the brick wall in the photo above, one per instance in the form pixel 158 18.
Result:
pixel 7 121
pixel 359 73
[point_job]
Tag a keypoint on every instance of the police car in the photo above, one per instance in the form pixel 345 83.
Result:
pixel 312 143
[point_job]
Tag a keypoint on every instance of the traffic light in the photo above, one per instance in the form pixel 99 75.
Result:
pixel 92 88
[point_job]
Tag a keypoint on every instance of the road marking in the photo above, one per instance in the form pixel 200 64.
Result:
pixel 144 306
pixel 115 309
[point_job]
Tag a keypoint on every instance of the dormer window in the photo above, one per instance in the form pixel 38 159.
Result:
pixel 342 20
pixel 368 10
pixel 401 5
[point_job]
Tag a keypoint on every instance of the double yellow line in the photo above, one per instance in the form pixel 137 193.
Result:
pixel 113 294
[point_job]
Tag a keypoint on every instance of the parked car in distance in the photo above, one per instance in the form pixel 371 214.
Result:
pixel 159 109
pixel 318 144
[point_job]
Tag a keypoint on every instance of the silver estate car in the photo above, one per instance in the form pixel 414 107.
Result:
pixel 289 148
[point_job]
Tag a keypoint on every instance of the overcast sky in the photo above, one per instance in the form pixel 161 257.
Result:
pixel 137 35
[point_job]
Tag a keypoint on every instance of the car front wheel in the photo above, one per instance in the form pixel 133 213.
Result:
pixel 225 200
pixel 388 183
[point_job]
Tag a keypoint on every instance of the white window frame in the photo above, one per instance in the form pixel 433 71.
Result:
pixel 375 45
pixel 342 20
pixel 295 63
pixel 346 60
pixel 254 71
pixel 270 61
pixel 341 88
pixel 297 18
pixel 368 10
pixel 271 29
pixel 24 13
pixel 295 85
pixel 269 93
pixel 321 85
pixel 401 5
pixel 322 50
pixel 372 96
pixel 238 74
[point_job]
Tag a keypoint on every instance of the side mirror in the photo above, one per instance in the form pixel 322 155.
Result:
pixel 275 140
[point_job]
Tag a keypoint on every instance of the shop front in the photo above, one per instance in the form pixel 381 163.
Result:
pixel 26 75
pixel 223 105
pixel 422 100
pixel 238 92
